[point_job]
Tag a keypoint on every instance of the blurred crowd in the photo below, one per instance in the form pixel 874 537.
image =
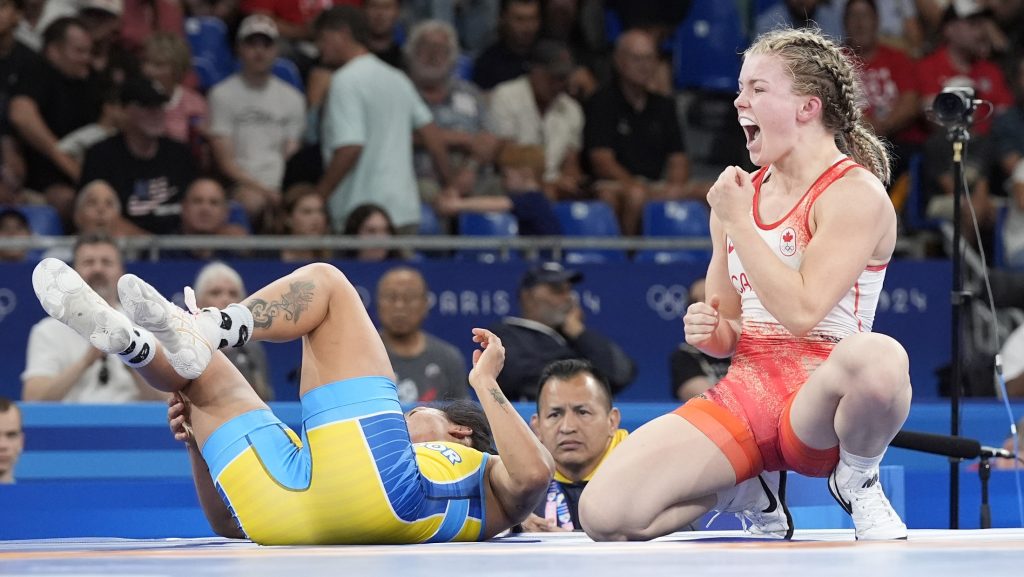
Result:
pixel 382 117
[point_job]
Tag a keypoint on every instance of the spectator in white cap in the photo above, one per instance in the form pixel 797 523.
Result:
pixel 256 121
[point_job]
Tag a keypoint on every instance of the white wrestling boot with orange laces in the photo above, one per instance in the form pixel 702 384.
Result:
pixel 189 338
pixel 760 505
pixel 860 494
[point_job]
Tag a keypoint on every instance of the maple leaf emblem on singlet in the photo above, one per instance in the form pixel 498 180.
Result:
pixel 787 246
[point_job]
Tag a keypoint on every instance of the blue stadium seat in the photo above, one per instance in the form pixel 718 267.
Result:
pixel 998 244
pixel 42 219
pixel 612 25
pixel 500 224
pixel 707 45
pixel 211 50
pixel 287 70
pixel 237 215
pixel 400 34
pixel 429 225
pixel 464 67
pixel 591 218
pixel 676 218
pixel 999 241
pixel 915 206
pixel 206 71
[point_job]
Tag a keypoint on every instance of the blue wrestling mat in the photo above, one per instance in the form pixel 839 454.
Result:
pixel 931 553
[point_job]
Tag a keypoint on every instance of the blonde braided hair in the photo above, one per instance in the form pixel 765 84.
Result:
pixel 821 68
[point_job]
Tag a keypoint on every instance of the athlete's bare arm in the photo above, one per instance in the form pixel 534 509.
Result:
pixel 853 225
pixel 714 326
pixel 520 475
pixel 217 513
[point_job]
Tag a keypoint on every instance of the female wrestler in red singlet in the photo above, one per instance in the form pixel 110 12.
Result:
pixel 800 252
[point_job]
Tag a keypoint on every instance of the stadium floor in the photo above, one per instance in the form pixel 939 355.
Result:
pixel 932 553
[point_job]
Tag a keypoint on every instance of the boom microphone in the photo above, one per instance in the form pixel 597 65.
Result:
pixel 956 447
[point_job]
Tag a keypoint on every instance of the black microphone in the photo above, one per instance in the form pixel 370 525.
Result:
pixel 956 447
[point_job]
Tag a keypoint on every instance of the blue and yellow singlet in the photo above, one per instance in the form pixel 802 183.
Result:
pixel 353 477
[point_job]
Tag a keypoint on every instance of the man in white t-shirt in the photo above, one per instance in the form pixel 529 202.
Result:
pixel 534 109
pixel 62 366
pixel 369 118
pixel 256 119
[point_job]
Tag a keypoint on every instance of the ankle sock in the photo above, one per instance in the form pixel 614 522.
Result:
pixel 141 350
pixel 860 463
pixel 236 325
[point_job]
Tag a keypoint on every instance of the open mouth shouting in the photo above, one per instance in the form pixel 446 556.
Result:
pixel 752 131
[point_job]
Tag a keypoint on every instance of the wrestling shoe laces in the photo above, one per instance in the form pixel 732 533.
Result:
pixel 189 339
pixel 235 320
pixel 760 505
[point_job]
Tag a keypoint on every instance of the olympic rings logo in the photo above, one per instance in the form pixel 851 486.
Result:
pixel 669 302
pixel 8 302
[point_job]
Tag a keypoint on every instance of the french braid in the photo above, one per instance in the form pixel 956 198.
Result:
pixel 821 68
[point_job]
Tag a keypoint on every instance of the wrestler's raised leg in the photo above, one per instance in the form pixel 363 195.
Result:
pixel 319 304
pixel 858 398
pixel 218 395
pixel 316 303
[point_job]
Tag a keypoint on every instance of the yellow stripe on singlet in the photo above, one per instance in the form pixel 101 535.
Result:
pixel 345 502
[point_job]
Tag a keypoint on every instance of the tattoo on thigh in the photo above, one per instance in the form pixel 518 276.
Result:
pixel 289 307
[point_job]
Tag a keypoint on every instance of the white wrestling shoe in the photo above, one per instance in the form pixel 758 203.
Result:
pixel 189 339
pixel 860 494
pixel 760 505
pixel 67 298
